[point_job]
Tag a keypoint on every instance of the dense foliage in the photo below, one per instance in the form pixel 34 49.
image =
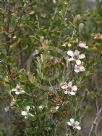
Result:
pixel 50 68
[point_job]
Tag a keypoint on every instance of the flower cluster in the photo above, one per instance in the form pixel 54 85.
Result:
pixel 69 88
pixel 76 57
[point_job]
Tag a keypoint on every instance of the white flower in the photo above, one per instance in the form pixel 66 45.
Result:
pixel 79 68
pixel 40 107
pixel 75 56
pixel 18 90
pixel 54 109
pixel 6 109
pixel 69 88
pixel 26 112
pixel 82 45
pixel 14 37
pixel 74 124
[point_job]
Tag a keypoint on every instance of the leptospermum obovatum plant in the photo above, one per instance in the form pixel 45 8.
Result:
pixel 38 105
pixel 42 67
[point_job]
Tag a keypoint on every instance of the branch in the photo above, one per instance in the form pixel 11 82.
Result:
pixel 95 122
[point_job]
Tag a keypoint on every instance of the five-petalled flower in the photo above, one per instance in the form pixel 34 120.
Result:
pixel 69 88
pixel 18 90
pixel 26 112
pixel 75 56
pixel 79 68
pixel 74 124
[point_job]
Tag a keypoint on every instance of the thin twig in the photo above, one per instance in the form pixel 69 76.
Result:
pixel 95 122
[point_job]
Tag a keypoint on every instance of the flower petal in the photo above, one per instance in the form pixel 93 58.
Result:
pixel 77 69
pixel 24 113
pixel 28 108
pixel 78 62
pixel 69 123
pixel 17 92
pixel 22 91
pixel 74 88
pixel 70 53
pixel 18 86
pixel 65 92
pixel 72 121
pixel 57 107
pixel 76 53
pixel 82 56
pixel 64 87
pixel 78 127
pixel 72 93
pixel 77 123
pixel 82 68
pixel 14 90
pixel 82 45
pixel 31 115
pixel 70 84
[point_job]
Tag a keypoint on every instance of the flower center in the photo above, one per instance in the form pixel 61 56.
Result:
pixel 69 89
pixel 76 57
pixel 18 89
